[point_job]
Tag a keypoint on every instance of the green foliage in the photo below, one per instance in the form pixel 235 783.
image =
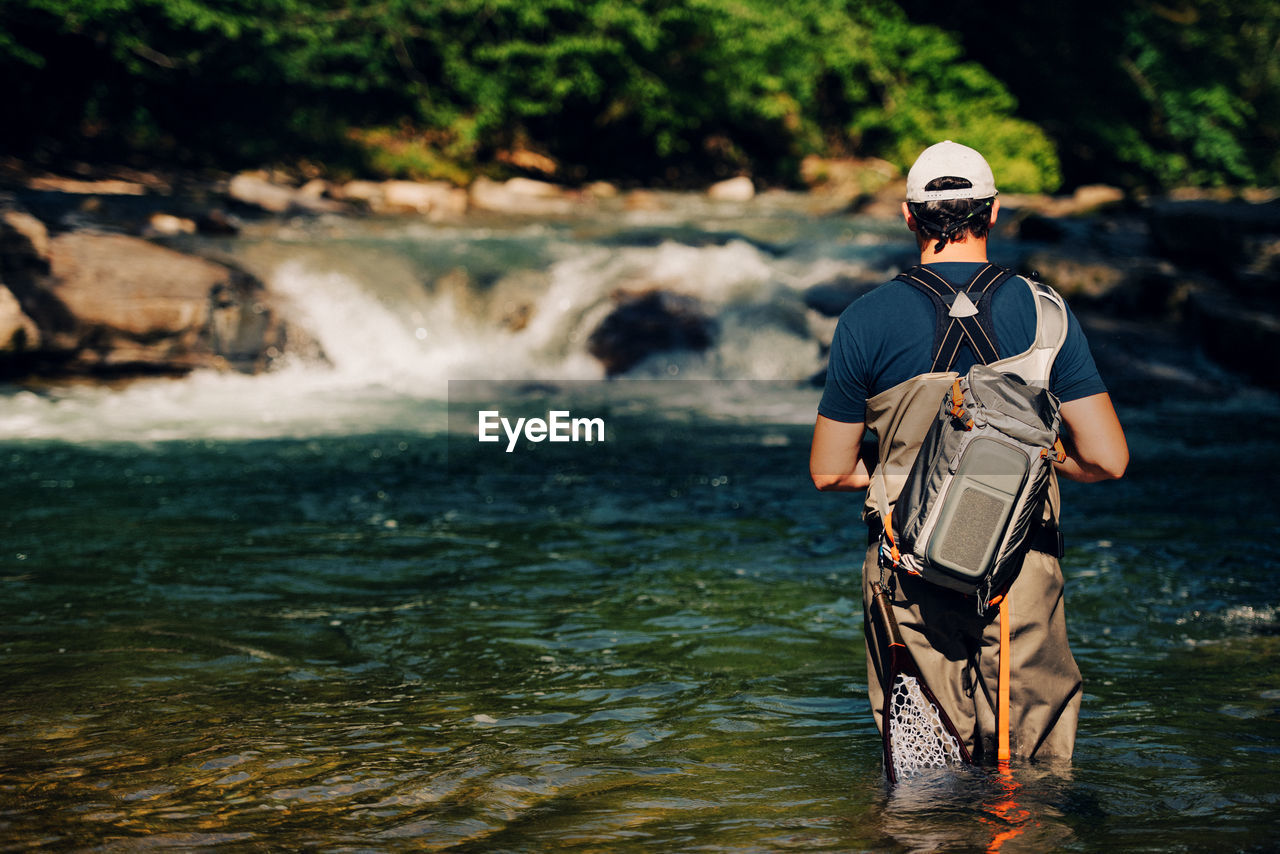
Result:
pixel 1154 93
pixel 1201 67
pixel 668 90
pixel 406 153
pixel 929 92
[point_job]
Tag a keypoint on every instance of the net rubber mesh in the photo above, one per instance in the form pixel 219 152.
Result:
pixel 917 738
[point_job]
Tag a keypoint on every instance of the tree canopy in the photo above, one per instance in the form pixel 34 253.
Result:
pixel 648 90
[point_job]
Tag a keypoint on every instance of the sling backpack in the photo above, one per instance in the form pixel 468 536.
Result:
pixel 972 501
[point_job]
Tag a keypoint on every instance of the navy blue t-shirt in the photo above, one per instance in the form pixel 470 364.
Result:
pixel 886 338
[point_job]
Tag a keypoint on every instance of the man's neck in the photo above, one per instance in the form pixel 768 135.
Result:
pixel 973 249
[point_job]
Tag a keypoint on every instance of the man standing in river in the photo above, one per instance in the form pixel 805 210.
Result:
pixel 883 346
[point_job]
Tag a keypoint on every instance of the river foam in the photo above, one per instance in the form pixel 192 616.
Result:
pixel 394 315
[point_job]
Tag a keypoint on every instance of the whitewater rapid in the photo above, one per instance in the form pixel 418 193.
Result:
pixel 393 315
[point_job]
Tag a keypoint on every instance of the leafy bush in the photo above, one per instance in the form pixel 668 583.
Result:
pixel 652 90
pixel 1135 92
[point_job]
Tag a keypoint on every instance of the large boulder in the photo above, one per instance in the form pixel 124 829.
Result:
pixel 129 306
pixel 649 322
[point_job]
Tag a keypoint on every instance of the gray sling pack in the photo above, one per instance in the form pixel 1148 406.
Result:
pixel 974 496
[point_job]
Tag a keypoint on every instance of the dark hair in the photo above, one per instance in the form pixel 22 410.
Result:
pixel 951 219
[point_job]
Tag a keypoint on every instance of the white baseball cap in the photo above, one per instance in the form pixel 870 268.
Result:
pixel 950 159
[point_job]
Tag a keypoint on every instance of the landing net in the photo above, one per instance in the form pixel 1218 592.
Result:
pixel 917 737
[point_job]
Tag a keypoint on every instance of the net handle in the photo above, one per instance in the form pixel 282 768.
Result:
pixel 880 609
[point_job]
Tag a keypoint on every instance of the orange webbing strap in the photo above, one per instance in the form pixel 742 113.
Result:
pixel 1059 452
pixel 1002 713
pixel 894 554
pixel 957 405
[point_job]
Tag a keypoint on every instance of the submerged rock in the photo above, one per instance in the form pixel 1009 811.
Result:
pixel 646 323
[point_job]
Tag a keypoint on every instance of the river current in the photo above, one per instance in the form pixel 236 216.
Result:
pixel 308 610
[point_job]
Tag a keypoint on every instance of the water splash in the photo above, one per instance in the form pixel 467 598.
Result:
pixel 399 317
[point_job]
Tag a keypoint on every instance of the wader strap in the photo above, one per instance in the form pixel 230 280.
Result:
pixel 1047 539
pixel 960 319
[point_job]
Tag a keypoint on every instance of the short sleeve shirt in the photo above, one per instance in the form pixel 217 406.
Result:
pixel 886 338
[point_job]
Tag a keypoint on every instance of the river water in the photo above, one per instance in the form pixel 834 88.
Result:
pixel 311 611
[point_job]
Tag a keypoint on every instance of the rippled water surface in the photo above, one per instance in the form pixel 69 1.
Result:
pixel 293 612
pixel 343 643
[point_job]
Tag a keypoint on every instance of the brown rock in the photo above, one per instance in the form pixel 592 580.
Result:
pixel 142 307
pixel 132 286
pixel 253 189
pixel 740 189
pixel 258 191
pixel 847 177
pixel 24 241
pixel 369 192
pixel 107 187
pixel 164 224
pixel 601 190
pixel 1087 199
pixel 1093 197
pixel 522 196
pixel 532 161
pixel 18 333
pixel 1077 274
pixel 316 188
pixel 436 198
pixel 642 200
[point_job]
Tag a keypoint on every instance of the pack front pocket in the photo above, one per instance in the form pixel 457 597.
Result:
pixel 976 506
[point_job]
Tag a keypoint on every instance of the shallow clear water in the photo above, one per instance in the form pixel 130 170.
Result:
pixel 339 628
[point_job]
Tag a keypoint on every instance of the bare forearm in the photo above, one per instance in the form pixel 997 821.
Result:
pixel 838 457
pixel 854 481
pixel 1082 471
pixel 1073 469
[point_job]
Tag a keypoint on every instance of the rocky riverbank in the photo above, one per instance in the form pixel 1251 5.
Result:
pixel 1180 295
